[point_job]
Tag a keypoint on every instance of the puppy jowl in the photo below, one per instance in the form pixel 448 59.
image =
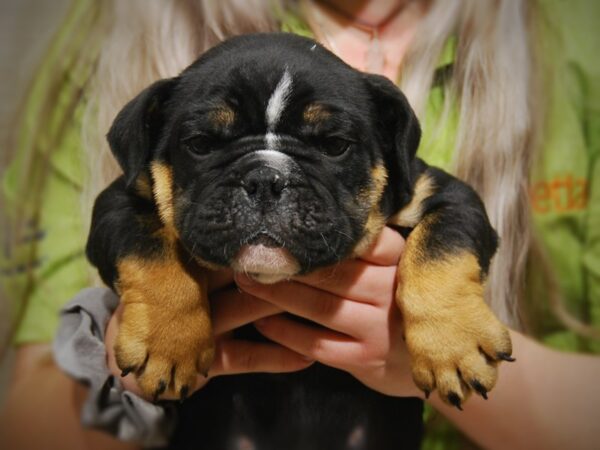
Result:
pixel 270 156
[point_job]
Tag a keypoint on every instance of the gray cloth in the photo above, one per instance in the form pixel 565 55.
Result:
pixel 80 352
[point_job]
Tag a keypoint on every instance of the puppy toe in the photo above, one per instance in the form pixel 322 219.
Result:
pixel 450 387
pixel 206 357
pixel 495 342
pixel 423 377
pixel 156 378
pixel 185 379
pixel 131 355
pixel 478 372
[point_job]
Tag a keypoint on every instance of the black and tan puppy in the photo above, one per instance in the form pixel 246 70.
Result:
pixel 271 156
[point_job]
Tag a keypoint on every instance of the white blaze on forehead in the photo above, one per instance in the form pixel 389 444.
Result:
pixel 271 140
pixel 278 100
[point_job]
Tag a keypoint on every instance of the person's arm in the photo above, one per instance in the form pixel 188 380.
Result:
pixel 546 399
pixel 42 408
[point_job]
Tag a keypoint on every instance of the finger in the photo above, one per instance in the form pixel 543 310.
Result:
pixel 319 306
pixel 218 279
pixel 356 280
pixel 386 249
pixel 326 346
pixel 232 309
pixel 235 356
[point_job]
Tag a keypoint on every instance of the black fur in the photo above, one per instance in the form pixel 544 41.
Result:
pixel 316 409
pixel 122 224
pixel 136 129
pixel 399 134
pixel 314 213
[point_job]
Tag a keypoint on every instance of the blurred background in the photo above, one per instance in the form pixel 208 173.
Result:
pixel 26 28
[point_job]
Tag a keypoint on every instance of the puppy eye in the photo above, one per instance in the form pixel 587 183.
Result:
pixel 201 144
pixel 335 146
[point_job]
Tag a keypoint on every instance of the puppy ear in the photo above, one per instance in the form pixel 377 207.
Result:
pixel 400 132
pixel 134 134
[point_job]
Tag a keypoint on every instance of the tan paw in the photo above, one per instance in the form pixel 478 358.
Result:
pixel 165 352
pixel 454 339
pixel 165 335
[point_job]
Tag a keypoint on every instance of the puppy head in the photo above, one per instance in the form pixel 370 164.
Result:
pixel 270 155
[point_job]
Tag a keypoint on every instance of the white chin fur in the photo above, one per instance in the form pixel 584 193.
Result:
pixel 266 265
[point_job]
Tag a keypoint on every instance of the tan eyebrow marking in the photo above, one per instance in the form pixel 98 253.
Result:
pixel 315 113
pixel 222 116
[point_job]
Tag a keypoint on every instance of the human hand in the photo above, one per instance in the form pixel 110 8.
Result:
pixel 230 309
pixel 354 303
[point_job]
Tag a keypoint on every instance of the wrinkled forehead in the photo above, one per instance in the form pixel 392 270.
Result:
pixel 269 98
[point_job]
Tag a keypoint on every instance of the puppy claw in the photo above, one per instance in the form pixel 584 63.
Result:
pixel 478 387
pixel 139 371
pixel 127 371
pixel 427 392
pixel 184 392
pixel 454 399
pixel 505 357
pixel 162 386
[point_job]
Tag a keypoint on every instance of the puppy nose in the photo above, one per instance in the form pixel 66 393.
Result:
pixel 264 183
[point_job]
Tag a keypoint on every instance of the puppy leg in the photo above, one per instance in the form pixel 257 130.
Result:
pixel 165 335
pixel 454 339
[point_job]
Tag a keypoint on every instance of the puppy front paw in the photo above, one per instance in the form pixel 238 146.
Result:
pixel 456 357
pixel 165 336
pixel 166 352
pixel 454 339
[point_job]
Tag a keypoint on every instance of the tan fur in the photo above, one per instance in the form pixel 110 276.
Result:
pixel 162 178
pixel 374 225
pixel 370 198
pixel 143 186
pixel 315 113
pixel 446 319
pixel 166 325
pixel 379 182
pixel 411 214
pixel 223 116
